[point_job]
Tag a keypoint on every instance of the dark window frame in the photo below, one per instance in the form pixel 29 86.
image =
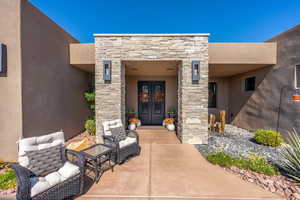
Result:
pixel 250 84
pixel 297 76
pixel 212 102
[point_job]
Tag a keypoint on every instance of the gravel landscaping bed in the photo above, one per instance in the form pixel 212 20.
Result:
pixel 238 142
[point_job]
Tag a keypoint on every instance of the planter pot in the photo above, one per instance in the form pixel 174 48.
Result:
pixel 164 124
pixel 132 126
pixel 296 97
pixel 172 116
pixel 171 127
pixel 139 124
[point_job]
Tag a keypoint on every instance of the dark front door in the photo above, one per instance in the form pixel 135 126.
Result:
pixel 151 97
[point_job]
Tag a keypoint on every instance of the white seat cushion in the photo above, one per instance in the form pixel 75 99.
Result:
pixel 127 141
pixel 41 184
pixel 68 170
pixel 38 185
pixel 53 178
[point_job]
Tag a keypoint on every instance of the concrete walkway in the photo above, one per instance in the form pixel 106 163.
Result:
pixel 169 170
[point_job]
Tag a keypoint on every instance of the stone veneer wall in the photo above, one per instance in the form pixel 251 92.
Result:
pixel 192 98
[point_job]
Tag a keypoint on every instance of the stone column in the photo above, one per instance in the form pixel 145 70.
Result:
pixel 109 104
pixel 193 100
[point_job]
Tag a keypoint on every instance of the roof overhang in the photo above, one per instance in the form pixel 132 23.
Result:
pixel 225 59
pixel 229 59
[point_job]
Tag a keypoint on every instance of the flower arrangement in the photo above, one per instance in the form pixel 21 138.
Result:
pixel 169 121
pixel 134 121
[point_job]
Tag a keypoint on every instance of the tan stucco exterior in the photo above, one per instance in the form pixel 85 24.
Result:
pixel 52 90
pixel 40 92
pixel 225 59
pixel 10 82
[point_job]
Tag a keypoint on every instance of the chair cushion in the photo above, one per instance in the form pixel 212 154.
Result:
pixel 111 124
pixel 38 143
pixel 38 185
pixel 68 170
pixel 41 184
pixel 118 133
pixel 127 141
pixel 45 161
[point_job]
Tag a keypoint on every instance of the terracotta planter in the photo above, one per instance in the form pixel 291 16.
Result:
pixel 296 97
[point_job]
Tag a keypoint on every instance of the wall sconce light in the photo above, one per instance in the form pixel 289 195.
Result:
pixel 3 58
pixel 195 70
pixel 107 70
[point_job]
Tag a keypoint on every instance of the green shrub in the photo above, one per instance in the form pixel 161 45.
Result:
pixel 90 96
pixel 260 165
pixel 90 126
pixel 254 163
pixel 8 179
pixel 268 137
pixel 291 156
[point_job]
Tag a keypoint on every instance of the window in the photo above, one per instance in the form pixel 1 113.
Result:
pixel 212 94
pixel 250 84
pixel 297 76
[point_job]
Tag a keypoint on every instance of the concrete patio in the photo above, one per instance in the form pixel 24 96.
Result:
pixel 167 169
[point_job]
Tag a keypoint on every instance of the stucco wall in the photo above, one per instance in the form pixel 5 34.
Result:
pixel 52 90
pixel 132 90
pixel 222 97
pixel 261 109
pixel 245 106
pixel 10 82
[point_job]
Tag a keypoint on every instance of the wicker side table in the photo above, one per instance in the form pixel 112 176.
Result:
pixel 96 156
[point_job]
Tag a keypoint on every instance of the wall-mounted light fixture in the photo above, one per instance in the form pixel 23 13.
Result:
pixel 3 58
pixel 195 70
pixel 107 70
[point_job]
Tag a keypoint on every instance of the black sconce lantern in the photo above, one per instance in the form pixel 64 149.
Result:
pixel 3 58
pixel 107 70
pixel 195 70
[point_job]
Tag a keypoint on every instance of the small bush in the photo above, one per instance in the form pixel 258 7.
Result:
pixel 8 179
pixel 268 137
pixel 90 126
pixel 254 163
pixel 90 96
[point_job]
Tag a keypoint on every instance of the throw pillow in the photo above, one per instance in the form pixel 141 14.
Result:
pixel 118 133
pixel 45 161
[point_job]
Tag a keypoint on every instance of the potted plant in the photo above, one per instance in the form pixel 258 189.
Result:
pixel 169 124
pixel 131 113
pixel 172 113
pixel 133 123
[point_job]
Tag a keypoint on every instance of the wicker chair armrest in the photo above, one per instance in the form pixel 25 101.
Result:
pixel 109 137
pixel 79 161
pixel 132 133
pixel 23 177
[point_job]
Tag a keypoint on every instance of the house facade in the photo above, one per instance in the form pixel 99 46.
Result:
pixel 42 81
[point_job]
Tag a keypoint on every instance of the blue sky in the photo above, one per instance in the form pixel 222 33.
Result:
pixel 225 20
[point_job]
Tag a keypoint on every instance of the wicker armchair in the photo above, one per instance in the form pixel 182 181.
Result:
pixel 124 148
pixel 45 170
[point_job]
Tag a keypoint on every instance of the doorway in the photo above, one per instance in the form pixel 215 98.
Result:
pixel 151 102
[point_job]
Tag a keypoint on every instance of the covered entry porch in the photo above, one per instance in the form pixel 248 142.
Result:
pixel 151 90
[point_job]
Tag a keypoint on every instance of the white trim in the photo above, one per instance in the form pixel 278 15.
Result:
pixel 151 34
